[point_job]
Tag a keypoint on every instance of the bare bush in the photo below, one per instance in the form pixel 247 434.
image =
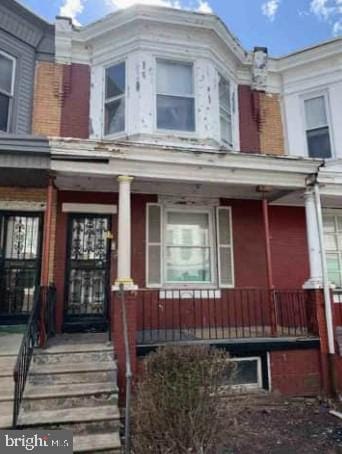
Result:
pixel 177 403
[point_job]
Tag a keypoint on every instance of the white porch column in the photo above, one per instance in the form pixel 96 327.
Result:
pixel 315 260
pixel 124 233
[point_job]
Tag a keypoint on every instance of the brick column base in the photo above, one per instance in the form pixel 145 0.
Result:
pixel 319 327
pixel 130 301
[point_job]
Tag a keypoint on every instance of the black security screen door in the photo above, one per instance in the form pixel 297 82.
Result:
pixel 20 259
pixel 88 264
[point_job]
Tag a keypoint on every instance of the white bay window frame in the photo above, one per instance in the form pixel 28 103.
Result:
pixel 9 94
pixel 110 100
pixel 214 247
pixel 226 114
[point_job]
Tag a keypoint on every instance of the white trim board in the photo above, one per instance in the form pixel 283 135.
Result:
pixel 19 205
pixel 95 208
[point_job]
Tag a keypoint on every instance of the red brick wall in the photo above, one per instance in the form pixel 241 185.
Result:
pixel 296 372
pixel 289 246
pixel 75 108
pixel 249 116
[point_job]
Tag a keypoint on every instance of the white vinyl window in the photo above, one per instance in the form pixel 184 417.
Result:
pixel 317 127
pixel 246 374
pixel 332 225
pixel 175 96
pixel 115 90
pixel 182 248
pixel 7 72
pixel 226 117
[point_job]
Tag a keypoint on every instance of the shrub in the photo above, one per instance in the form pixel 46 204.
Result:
pixel 177 403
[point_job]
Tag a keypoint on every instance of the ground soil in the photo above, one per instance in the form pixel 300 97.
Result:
pixel 274 425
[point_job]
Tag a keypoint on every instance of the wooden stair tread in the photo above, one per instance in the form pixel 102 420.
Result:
pixel 96 442
pixel 69 415
pixel 60 368
pixel 61 390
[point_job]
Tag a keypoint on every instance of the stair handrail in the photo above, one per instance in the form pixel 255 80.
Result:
pixel 37 330
pixel 128 373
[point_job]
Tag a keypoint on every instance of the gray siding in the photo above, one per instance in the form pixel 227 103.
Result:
pixel 29 39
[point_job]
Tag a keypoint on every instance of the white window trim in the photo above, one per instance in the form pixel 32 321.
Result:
pixel 105 101
pixel 148 244
pixel 338 251
pixel 226 112
pixel 249 386
pixel 231 247
pixel 11 93
pixel 312 95
pixel 180 133
pixel 177 209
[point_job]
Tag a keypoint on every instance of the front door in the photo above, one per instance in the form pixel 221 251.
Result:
pixel 88 269
pixel 20 259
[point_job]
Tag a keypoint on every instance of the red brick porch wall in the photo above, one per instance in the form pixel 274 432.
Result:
pixel 296 372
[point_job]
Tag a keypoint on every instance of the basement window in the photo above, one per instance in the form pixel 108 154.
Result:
pixel 7 72
pixel 115 99
pixel 175 96
pixel 317 127
pixel 246 373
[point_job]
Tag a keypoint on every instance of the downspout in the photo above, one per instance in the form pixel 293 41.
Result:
pixel 326 285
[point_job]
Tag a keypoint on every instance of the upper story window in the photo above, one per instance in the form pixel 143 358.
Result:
pixel 7 69
pixel 226 122
pixel 115 99
pixel 175 96
pixel 317 127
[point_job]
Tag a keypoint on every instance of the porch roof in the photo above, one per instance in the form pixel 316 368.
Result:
pixel 89 159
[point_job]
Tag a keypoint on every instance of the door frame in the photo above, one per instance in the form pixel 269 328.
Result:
pixel 84 322
pixel 20 318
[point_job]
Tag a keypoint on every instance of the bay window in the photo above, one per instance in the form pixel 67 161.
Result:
pixel 317 127
pixel 189 246
pixel 175 96
pixel 7 70
pixel 115 88
pixel 225 112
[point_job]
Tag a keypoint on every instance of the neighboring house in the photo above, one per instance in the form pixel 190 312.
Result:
pixel 183 167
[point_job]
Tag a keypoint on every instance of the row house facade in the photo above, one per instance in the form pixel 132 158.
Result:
pixel 153 154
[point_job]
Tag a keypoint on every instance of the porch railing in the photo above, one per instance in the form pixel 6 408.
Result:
pixel 191 314
pixel 40 325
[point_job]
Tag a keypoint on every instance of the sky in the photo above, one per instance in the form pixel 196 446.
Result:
pixel 281 25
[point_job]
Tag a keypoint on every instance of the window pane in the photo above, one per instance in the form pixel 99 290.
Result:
pixel 22 238
pixel 226 129
pixel 319 143
pixel 188 264
pixel 4 109
pixel 6 69
pixel 224 93
pixel 226 273
pixel 115 80
pixel 245 373
pixel 315 112
pixel 187 229
pixel 175 113
pixel 329 223
pixel 174 78
pixel 224 227
pixel 330 242
pixel 154 268
pixel 115 116
pixel 333 269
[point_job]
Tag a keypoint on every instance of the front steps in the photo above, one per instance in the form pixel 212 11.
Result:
pixel 72 385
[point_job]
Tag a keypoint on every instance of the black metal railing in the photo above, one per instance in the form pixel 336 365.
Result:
pixel 194 314
pixel 40 326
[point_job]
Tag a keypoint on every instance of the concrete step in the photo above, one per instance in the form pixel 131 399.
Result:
pixel 47 369
pixel 73 357
pixel 37 398
pixel 8 361
pixel 80 420
pixel 109 442
pixel 6 370
pixel 72 377
pixel 6 414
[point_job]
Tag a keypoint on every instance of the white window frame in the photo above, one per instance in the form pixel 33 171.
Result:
pixel 180 132
pixel 11 93
pixel 213 269
pixel 113 99
pixel 249 386
pixel 226 112
pixel 312 95
pixel 219 246
pixel 335 213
